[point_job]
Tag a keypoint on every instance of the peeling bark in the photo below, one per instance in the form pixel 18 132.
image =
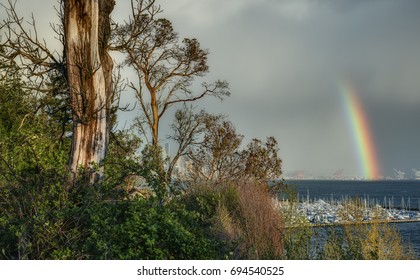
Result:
pixel 89 73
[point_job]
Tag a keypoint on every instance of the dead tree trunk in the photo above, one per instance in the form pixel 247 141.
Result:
pixel 89 73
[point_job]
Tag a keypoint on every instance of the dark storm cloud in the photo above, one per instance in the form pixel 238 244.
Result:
pixel 285 60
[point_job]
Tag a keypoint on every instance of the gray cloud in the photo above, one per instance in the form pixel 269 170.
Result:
pixel 285 59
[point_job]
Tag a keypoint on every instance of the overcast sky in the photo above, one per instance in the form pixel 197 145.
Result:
pixel 285 60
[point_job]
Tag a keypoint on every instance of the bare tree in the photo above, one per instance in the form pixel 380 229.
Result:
pixel 21 46
pixel 165 66
pixel 187 127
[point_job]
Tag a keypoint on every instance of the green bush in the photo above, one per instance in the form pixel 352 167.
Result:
pixel 35 223
pixel 90 222
pixel 141 229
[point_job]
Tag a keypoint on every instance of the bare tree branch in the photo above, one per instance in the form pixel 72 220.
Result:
pixel 187 127
pixel 218 89
pixel 20 44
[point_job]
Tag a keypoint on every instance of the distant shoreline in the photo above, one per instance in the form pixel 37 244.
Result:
pixel 353 180
pixel 365 222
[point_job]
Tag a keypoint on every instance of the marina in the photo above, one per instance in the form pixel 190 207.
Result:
pixel 332 202
pixel 320 212
pixel 324 203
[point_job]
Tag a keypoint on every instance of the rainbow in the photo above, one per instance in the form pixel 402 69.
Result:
pixel 359 124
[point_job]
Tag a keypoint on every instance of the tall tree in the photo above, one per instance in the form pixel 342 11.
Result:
pixel 87 31
pixel 85 66
pixel 165 65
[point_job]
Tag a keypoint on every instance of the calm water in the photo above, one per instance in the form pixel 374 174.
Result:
pixel 399 193
pixel 410 233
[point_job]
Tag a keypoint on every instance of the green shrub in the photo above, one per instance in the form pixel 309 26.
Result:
pixel 141 229
pixel 36 224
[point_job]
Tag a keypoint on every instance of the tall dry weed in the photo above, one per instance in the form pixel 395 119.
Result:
pixel 251 221
pixel 261 223
pixel 241 215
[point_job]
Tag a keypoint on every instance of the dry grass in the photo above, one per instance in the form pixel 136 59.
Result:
pixel 241 215
pixel 261 223
pixel 246 218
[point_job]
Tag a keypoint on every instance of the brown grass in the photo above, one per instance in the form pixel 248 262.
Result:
pixel 246 216
pixel 262 224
